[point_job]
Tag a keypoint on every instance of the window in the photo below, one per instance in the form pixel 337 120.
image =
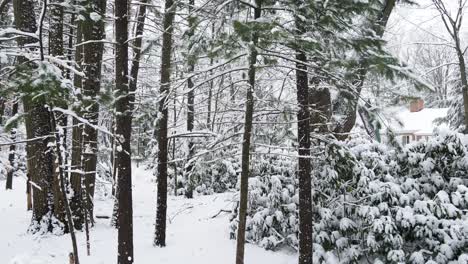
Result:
pixel 406 140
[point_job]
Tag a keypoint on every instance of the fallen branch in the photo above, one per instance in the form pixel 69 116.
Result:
pixel 221 211
pixel 178 212
pixel 102 217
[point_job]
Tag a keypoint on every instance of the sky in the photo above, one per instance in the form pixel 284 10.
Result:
pixel 410 24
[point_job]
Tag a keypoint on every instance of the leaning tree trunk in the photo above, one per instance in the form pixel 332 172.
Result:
pixel 123 125
pixel 161 207
pixel 40 159
pixel 248 124
pixel 190 104
pixel 348 100
pixel 93 31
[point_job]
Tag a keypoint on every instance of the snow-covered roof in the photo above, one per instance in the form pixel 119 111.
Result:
pixel 418 123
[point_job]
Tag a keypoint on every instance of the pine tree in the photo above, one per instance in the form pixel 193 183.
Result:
pixel 303 134
pixel 348 103
pixel 247 137
pixel 56 49
pixel 93 33
pixel 123 125
pixel 12 154
pixel 76 179
pixel 163 115
pixel 190 102
pixel 40 159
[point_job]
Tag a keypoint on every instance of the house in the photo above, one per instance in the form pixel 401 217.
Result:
pixel 418 123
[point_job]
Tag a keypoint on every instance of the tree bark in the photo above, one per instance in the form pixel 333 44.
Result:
pixel 245 164
pixel 463 78
pixel 347 106
pixel 190 104
pixel 166 52
pixel 93 29
pixel 59 141
pixel 40 159
pixel 137 45
pixel 76 203
pixel 56 50
pixel 462 64
pixel 303 139
pixel 12 153
pixel 123 124
pixel 3 5
pixel 304 165
pixel 2 109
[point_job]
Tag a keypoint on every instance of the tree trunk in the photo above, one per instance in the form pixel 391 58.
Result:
pixel 12 153
pixel 245 164
pixel 28 193
pixel 59 141
pixel 76 203
pixel 463 78
pixel 190 104
pixel 123 124
pixel 320 102
pixel 135 68
pixel 2 109
pixel 93 29
pixel 347 106
pixel 161 210
pixel 40 163
pixel 210 97
pixel 304 165
pixel 40 159
pixel 56 50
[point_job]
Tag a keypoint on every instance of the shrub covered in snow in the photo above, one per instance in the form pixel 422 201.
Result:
pixel 371 202
pixel 273 198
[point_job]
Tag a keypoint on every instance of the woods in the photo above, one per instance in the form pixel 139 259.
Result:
pixel 325 135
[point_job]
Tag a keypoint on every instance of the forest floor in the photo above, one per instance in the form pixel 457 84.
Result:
pixel 193 235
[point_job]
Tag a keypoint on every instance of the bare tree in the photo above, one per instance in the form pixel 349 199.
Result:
pixel 436 64
pixel 453 24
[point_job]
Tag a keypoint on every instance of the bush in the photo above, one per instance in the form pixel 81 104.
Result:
pixel 371 202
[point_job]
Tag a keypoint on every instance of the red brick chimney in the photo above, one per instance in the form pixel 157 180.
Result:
pixel 416 105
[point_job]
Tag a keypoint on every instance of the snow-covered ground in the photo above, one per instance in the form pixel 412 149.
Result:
pixel 193 236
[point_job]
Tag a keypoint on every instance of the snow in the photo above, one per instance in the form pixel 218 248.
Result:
pixel 192 234
pixel 422 122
